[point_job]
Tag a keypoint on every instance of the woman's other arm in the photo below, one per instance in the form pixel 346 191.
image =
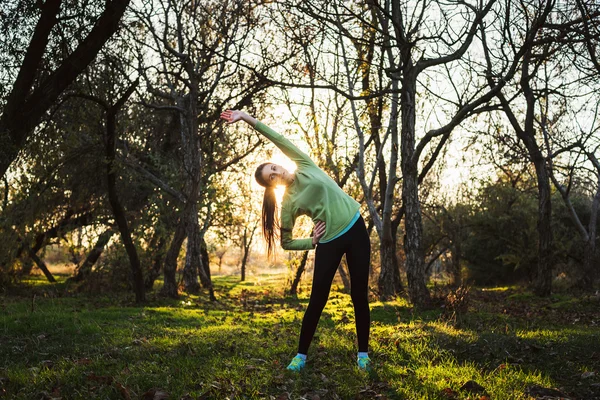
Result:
pixel 287 240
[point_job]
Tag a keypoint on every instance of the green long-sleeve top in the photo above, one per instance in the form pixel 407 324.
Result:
pixel 312 193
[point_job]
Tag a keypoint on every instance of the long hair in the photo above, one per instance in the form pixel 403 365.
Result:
pixel 270 219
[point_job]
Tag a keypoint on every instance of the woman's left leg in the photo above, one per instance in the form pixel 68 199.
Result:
pixel 358 257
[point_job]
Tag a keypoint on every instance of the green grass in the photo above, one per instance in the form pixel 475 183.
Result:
pixel 58 344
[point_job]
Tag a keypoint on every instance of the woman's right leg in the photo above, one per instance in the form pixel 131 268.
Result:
pixel 327 258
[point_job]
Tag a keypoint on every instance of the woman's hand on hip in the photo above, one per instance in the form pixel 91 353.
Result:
pixel 318 232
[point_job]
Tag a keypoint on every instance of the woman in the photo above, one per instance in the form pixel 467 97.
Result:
pixel 339 229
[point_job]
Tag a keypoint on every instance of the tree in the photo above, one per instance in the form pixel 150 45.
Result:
pixel 189 57
pixel 520 105
pixel 42 77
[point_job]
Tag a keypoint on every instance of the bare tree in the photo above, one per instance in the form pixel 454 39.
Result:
pixel 521 114
pixel 189 55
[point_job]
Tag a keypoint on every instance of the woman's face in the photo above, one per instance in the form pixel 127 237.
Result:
pixel 276 175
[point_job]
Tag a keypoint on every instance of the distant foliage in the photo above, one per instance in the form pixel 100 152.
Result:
pixel 495 232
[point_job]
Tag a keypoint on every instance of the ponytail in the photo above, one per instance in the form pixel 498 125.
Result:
pixel 270 220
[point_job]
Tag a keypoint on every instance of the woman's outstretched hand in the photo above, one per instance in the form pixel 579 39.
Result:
pixel 318 232
pixel 232 116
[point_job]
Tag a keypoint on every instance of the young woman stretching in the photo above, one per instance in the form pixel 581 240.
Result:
pixel 339 229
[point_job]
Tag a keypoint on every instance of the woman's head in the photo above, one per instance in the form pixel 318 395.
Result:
pixel 271 175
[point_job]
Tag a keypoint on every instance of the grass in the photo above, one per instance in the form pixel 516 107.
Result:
pixel 57 344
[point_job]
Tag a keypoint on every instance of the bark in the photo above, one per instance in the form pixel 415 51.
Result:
pixel 413 239
pixel 27 266
pixel 294 288
pixel 344 275
pixel 590 264
pixel 204 269
pixel 192 255
pixel 42 266
pixel 221 262
pixel 389 278
pixel 115 203
pixel 197 264
pixel 456 258
pixel 389 283
pixel 85 268
pixel 245 249
pixel 154 271
pixel 543 279
pixel 246 243
pixel 192 177
pixel 169 288
pixel 26 107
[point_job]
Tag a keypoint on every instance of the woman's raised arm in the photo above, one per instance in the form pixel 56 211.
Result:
pixel 287 147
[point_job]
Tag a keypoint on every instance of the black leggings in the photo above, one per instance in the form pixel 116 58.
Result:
pixel 356 245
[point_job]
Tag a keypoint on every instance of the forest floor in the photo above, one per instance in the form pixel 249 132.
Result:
pixel 508 344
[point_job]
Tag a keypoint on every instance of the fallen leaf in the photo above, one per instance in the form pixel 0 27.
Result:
pixel 473 387
pixel 123 390
pixel 155 394
pixel 44 396
pixel 100 379
pixel 449 393
pixel 588 374
pixel 55 392
pixel 539 391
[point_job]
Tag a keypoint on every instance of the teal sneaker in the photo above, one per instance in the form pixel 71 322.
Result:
pixel 364 363
pixel 296 364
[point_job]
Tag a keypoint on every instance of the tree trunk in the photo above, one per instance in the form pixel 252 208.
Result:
pixel 27 266
pixel 456 256
pixel 246 243
pixel 344 275
pixel 204 269
pixel 42 266
pixel 543 278
pixel 389 278
pixel 389 283
pixel 85 268
pixel 113 198
pixel 154 271
pixel 192 255
pixel 191 175
pixel 245 256
pixel 413 224
pixel 299 271
pixel 590 266
pixel 169 288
